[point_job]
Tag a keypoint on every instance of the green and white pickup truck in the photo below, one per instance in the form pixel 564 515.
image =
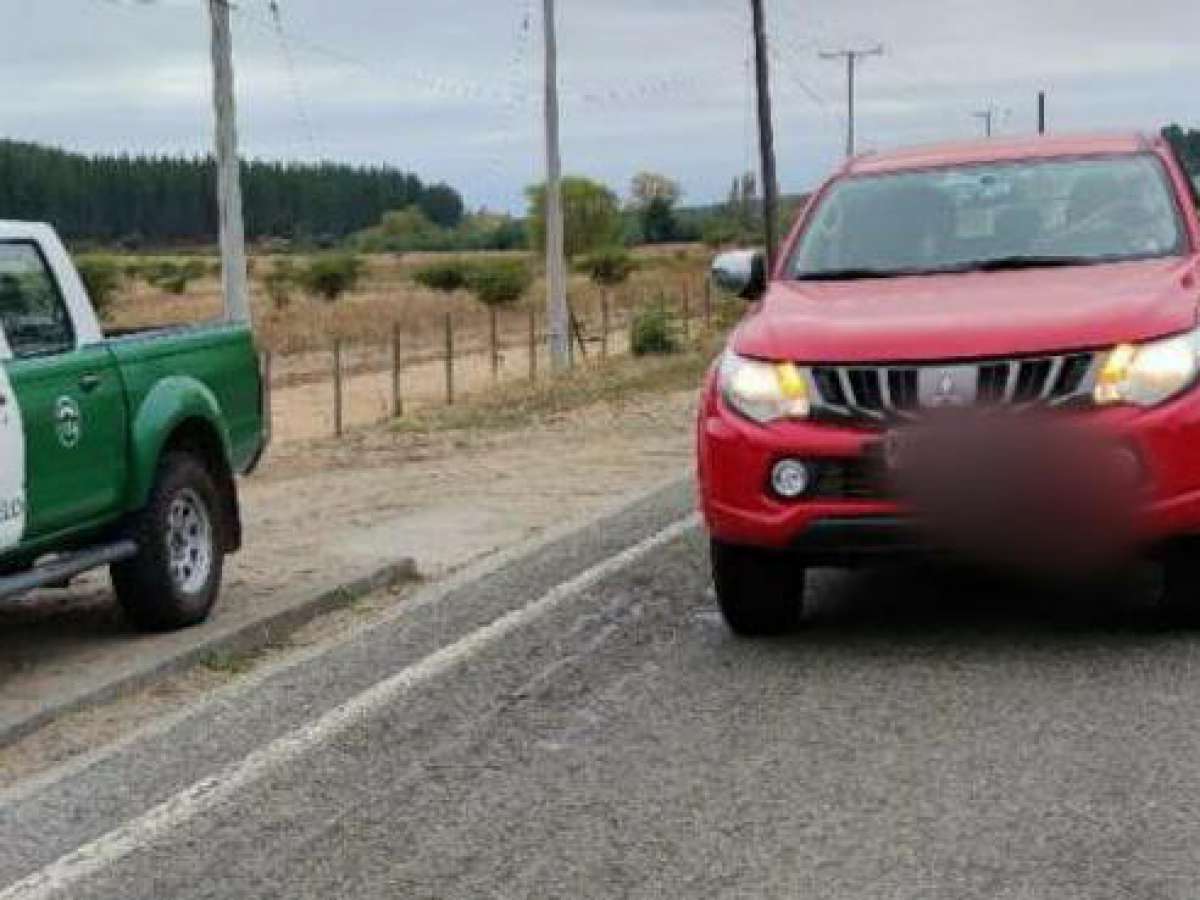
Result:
pixel 117 451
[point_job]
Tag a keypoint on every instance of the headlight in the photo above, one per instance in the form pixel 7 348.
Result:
pixel 1148 374
pixel 764 392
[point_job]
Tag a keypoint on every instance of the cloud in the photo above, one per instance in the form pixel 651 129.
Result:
pixel 454 93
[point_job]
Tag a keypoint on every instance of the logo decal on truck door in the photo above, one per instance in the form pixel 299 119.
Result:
pixel 68 422
pixel 12 465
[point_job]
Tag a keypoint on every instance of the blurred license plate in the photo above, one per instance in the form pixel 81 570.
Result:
pixel 898 448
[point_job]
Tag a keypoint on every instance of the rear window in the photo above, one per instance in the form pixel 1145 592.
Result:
pixel 32 312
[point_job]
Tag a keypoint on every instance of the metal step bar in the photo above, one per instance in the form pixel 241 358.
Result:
pixel 62 569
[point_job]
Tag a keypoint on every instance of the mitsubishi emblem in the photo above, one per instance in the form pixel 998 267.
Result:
pixel 946 394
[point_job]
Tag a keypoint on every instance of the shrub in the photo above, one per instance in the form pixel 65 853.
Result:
pixel 608 267
pixel 329 275
pixel 500 283
pixel 721 232
pixel 280 282
pixel 447 276
pixel 168 275
pixel 653 332
pixel 102 277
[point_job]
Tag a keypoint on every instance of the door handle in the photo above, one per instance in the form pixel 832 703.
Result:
pixel 89 382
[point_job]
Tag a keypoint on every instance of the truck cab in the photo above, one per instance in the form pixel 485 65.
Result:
pixel 120 451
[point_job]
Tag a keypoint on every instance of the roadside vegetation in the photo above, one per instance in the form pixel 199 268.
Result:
pixel 519 404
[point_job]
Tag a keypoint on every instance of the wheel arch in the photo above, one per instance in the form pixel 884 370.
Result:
pixel 182 415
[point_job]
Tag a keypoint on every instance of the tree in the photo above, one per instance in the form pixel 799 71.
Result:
pixel 649 186
pixel 443 205
pixel 653 199
pixel 743 199
pixel 162 200
pixel 1186 145
pixel 591 216
pixel 609 267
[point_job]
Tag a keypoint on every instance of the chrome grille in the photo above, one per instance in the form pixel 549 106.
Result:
pixel 883 392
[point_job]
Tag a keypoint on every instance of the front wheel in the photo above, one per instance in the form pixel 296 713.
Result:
pixel 760 592
pixel 174 580
pixel 1180 598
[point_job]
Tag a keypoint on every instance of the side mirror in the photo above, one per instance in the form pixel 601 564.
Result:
pixel 742 273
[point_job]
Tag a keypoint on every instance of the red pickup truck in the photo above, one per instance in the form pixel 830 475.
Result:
pixel 930 306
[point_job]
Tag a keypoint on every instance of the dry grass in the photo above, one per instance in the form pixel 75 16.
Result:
pixel 518 405
pixel 387 297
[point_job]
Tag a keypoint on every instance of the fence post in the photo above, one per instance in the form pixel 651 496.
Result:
pixel 578 334
pixel 495 343
pixel 449 360
pixel 708 304
pixel 268 415
pixel 337 387
pixel 604 326
pixel 533 343
pixel 643 303
pixel 397 396
pixel 687 310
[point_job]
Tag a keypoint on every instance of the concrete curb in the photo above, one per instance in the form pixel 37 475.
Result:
pixel 234 638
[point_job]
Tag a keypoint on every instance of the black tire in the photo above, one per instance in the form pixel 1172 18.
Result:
pixel 761 592
pixel 160 590
pixel 1180 598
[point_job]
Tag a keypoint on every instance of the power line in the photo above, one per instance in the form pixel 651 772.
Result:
pixel 289 63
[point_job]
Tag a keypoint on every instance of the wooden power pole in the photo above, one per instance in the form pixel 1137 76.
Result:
pixel 229 186
pixel 557 317
pixel 766 133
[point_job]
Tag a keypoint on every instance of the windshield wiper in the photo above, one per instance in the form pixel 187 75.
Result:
pixel 996 264
pixel 1029 261
pixel 855 274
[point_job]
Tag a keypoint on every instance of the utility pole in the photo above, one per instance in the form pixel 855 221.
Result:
pixel 987 116
pixel 852 56
pixel 557 316
pixel 766 133
pixel 229 185
pixel 1041 112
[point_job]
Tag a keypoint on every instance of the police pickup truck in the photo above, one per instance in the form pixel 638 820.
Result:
pixel 118 450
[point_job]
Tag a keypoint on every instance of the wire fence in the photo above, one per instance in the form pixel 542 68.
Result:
pixel 396 372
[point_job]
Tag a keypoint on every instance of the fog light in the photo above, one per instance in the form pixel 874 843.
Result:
pixel 790 478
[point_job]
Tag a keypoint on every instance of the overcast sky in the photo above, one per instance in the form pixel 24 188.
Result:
pixel 450 89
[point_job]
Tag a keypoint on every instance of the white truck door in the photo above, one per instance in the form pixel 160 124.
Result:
pixel 12 458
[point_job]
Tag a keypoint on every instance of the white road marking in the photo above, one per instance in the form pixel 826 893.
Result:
pixel 59 877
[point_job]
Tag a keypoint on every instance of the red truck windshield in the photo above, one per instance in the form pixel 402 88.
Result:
pixel 994 216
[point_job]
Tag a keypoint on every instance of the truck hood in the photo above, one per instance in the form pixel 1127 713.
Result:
pixel 990 314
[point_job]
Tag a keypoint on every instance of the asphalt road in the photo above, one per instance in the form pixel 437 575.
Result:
pixel 578 723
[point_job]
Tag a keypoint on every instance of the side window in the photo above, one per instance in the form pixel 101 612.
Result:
pixel 32 312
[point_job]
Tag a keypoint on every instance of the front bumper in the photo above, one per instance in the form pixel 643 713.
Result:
pixel 736 457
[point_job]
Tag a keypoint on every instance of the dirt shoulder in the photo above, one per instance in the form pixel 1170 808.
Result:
pixel 446 490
